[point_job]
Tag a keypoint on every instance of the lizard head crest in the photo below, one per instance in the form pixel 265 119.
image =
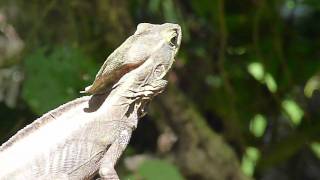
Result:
pixel 158 41
pixel 157 35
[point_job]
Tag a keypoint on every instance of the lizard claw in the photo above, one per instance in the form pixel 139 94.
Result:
pixel 108 174
pixel 86 90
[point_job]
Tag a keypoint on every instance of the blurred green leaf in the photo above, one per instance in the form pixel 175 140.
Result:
pixel 312 84
pixel 315 147
pixel 53 78
pixel 169 11
pixel 247 166
pixel 271 83
pixel 159 170
pixel 249 160
pixel 290 4
pixel 130 177
pixel 256 70
pixel 294 111
pixel 214 81
pixel 154 5
pixel 258 125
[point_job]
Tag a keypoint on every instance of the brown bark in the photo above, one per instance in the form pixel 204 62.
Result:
pixel 199 152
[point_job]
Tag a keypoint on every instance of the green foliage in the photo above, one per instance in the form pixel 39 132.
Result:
pixel 158 170
pixel 256 69
pixel 312 84
pixel 153 169
pixel 258 125
pixel 315 147
pixel 249 160
pixel 55 77
pixel 294 111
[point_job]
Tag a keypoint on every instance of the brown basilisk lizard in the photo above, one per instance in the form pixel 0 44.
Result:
pixel 86 136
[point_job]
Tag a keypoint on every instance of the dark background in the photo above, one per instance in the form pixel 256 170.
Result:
pixel 243 100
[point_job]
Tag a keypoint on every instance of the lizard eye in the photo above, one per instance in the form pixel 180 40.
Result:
pixel 174 40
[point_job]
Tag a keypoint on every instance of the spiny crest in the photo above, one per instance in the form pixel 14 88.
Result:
pixel 50 116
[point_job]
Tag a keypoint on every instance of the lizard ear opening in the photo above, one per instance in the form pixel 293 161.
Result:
pixel 142 27
pixel 174 41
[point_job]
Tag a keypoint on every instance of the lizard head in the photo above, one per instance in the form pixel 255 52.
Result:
pixel 160 43
pixel 150 38
pixel 159 34
pixel 153 47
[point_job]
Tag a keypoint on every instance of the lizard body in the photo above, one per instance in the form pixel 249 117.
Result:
pixel 88 134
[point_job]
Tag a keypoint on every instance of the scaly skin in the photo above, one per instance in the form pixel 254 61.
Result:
pixel 87 136
pixel 131 54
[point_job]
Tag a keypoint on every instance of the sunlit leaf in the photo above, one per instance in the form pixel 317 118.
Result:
pixel 256 70
pixel 315 147
pixel 247 166
pixel 271 83
pixel 249 160
pixel 312 84
pixel 253 153
pixel 258 125
pixel 293 110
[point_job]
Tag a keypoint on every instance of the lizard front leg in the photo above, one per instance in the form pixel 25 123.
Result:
pixel 107 171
